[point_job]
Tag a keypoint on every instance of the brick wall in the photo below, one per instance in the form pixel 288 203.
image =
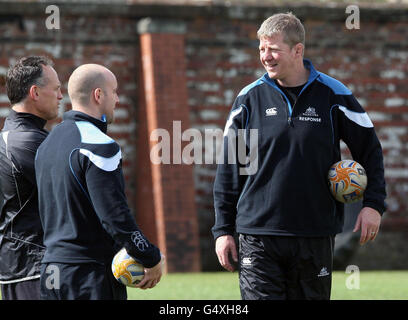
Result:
pixel 115 45
pixel 220 50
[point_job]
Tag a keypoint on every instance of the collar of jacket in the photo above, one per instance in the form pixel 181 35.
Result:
pixel 308 65
pixel 312 77
pixel 80 116
pixel 28 118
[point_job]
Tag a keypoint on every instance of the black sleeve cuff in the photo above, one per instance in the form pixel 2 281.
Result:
pixel 380 208
pixel 148 258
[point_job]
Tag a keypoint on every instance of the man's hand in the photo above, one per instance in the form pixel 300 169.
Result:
pixel 369 222
pixel 223 246
pixel 152 276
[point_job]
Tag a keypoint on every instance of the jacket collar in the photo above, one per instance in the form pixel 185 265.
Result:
pixel 25 118
pixel 313 72
pixel 308 65
pixel 80 116
pixel 312 77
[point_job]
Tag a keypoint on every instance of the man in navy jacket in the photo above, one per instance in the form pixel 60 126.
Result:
pixel 83 207
pixel 284 213
pixel 34 91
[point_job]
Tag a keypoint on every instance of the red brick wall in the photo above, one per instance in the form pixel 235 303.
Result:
pixel 115 45
pixel 220 50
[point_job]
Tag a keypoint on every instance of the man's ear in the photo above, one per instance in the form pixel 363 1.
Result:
pixel 299 49
pixel 33 93
pixel 97 95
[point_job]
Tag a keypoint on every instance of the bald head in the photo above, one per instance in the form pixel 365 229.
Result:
pixel 84 80
pixel 92 89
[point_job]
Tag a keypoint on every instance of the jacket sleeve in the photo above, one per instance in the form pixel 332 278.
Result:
pixel 229 180
pixel 357 131
pixel 106 188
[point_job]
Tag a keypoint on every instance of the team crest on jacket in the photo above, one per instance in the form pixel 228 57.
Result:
pixel 310 115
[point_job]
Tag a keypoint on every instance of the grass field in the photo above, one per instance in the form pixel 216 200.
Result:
pixel 373 285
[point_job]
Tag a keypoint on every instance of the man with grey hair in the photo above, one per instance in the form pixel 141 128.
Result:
pixel 34 91
pixel 284 213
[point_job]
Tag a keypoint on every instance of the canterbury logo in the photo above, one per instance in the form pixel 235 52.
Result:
pixel 139 240
pixel 271 112
pixel 247 261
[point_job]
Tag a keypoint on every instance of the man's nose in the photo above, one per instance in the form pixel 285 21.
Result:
pixel 268 55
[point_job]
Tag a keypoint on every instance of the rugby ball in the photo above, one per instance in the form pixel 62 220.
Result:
pixel 127 270
pixel 347 181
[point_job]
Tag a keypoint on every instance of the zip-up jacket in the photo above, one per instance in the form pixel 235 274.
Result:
pixel 83 206
pixel 288 193
pixel 21 245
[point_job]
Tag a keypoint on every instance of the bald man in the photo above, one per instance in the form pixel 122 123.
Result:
pixel 83 207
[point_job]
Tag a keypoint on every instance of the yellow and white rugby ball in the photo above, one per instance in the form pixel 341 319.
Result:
pixel 127 270
pixel 347 181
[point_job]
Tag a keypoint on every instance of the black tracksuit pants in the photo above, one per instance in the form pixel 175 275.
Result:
pixel 285 268
pixel 24 290
pixel 82 281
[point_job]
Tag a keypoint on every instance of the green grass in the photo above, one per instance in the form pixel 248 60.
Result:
pixel 373 285
pixel 191 286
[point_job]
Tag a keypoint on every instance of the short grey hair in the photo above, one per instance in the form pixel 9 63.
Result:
pixel 26 72
pixel 286 24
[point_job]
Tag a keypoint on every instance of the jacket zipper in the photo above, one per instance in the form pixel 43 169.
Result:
pixel 289 108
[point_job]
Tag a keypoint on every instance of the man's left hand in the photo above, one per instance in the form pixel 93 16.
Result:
pixel 368 221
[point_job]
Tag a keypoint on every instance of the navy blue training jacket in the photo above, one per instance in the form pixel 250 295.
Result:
pixel 288 193
pixel 83 207
pixel 21 235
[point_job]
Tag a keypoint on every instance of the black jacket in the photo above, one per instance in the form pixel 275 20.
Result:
pixel 83 207
pixel 21 246
pixel 286 191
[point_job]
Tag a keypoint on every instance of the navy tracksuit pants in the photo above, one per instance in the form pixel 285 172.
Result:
pixel 285 268
pixel 81 281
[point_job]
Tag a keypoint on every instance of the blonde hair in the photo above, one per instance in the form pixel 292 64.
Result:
pixel 286 24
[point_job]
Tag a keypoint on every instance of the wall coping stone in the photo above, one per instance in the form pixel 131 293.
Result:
pixel 241 11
